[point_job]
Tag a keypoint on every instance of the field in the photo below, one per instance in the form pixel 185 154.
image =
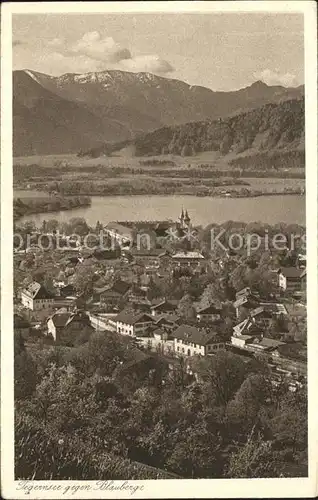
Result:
pixel 207 173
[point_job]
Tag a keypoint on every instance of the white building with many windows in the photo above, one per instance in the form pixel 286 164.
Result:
pixel 130 323
pixel 36 297
pixel 190 341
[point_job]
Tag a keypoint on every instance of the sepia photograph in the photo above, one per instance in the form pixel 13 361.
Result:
pixel 158 302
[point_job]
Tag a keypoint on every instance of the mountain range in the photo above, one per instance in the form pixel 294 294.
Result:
pixel 73 112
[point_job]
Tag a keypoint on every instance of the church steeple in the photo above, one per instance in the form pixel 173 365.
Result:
pixel 187 218
pixel 182 216
pixel 184 219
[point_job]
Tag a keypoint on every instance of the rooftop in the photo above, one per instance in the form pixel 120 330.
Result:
pixel 131 317
pixel 188 255
pixel 211 309
pixel 292 272
pixel 62 318
pixel 37 291
pixel 166 305
pixel 194 334
pixel 120 229
pixel 267 343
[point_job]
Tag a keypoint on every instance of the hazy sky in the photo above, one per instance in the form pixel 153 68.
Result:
pixel 219 51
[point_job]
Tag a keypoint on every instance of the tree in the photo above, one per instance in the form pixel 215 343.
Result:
pixel 244 410
pixel 78 226
pixel 289 425
pixel 185 307
pixel 186 150
pixel 252 460
pixel 102 353
pixel 196 453
pixel 52 225
pixel 224 373
pixel 83 279
pixel 25 373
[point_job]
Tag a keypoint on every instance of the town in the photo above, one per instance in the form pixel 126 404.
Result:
pixel 176 302
pixel 152 306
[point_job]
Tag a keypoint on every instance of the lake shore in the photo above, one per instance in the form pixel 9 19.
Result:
pixel 203 210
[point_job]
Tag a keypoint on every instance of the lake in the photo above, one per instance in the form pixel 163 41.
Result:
pixel 203 211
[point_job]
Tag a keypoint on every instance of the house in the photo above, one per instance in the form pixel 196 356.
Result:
pixel 192 260
pixel 142 367
pixel 21 325
pixel 243 292
pixel 190 340
pixel 164 307
pixel 103 321
pixel 114 294
pixel 266 345
pixel 244 303
pixel 247 327
pixel 36 297
pixel 162 341
pixel 167 321
pixel 132 323
pixel 149 257
pixel 137 293
pixel 209 314
pixel 301 261
pixel 65 324
pixel 120 234
pixel 67 290
pixel 261 316
pixel 292 279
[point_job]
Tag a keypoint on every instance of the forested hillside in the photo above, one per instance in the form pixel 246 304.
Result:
pixel 271 126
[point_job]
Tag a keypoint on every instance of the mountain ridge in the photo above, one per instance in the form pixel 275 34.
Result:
pixel 92 108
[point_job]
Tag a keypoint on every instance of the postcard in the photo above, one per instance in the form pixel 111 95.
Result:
pixel 159 250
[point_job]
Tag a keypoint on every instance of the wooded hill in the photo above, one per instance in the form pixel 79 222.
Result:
pixel 266 129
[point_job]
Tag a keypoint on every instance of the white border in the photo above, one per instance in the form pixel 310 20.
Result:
pixel 200 488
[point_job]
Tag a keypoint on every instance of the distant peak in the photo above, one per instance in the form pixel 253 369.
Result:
pixel 259 84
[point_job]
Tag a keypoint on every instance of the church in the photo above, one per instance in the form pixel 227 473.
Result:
pixel 184 220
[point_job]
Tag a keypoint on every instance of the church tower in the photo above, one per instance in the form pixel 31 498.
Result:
pixel 181 218
pixel 186 220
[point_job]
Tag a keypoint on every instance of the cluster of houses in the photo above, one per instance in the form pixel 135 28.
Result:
pixel 158 325
pixel 122 306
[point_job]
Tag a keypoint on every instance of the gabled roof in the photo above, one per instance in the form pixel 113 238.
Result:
pixel 164 319
pixel 145 252
pixel 292 272
pixel 166 305
pixel 243 291
pixel 257 311
pixel 62 319
pixel 188 255
pixel 131 318
pixel 267 343
pixel 195 335
pixel 119 287
pixel 247 327
pixel 211 309
pixel 37 291
pixel 246 301
pixel 120 229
